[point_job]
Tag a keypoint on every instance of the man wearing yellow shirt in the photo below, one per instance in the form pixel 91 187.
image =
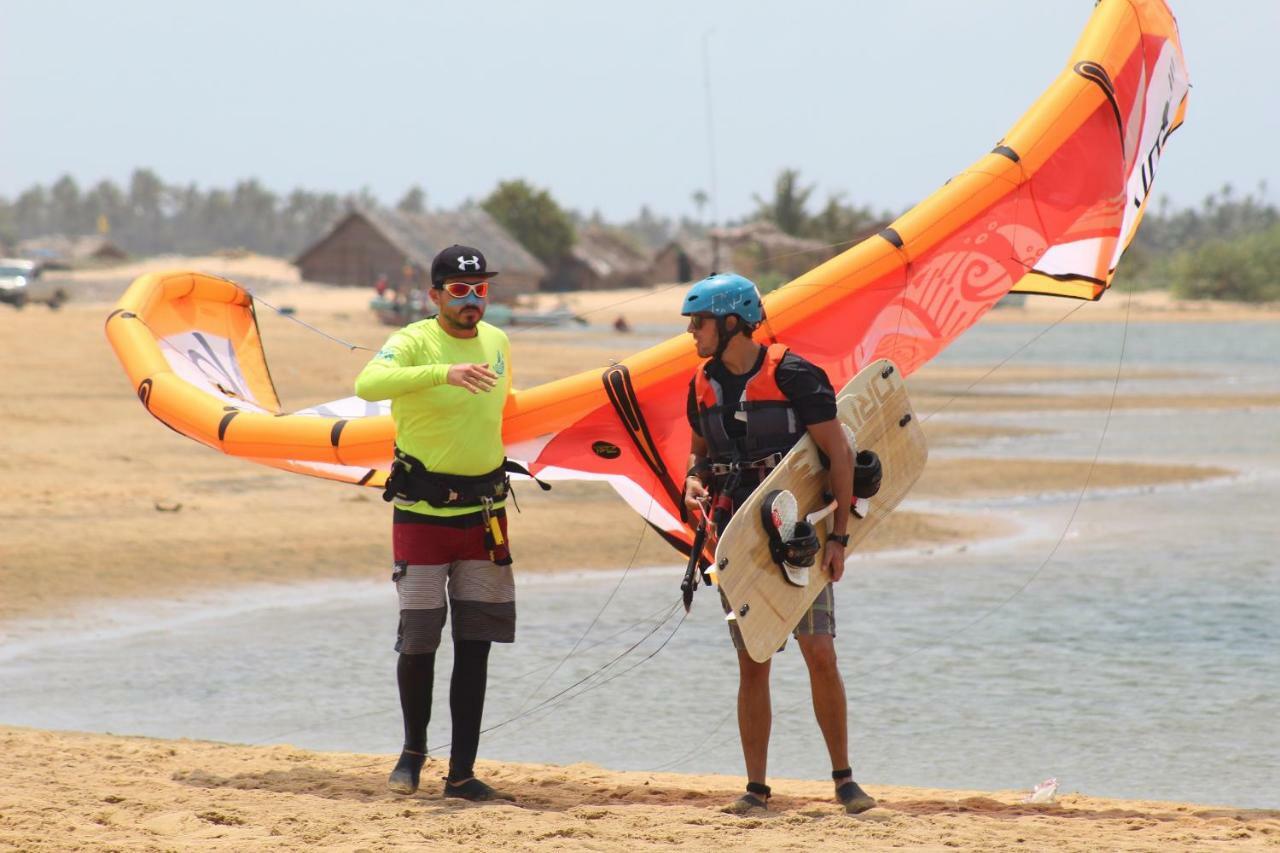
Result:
pixel 447 379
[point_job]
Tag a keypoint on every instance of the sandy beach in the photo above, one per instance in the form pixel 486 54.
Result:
pixel 66 791
pixel 101 502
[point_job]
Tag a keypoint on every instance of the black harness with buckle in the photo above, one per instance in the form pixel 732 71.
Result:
pixel 723 469
pixel 410 481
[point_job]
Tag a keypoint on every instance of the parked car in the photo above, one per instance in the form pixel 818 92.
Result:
pixel 21 282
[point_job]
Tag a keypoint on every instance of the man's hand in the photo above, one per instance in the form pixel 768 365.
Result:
pixel 695 497
pixel 833 560
pixel 474 377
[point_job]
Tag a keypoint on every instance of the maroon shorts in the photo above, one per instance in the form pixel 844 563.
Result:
pixel 446 562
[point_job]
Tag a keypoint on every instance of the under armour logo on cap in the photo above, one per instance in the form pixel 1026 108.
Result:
pixel 459 262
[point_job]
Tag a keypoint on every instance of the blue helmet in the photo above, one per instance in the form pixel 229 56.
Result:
pixel 723 294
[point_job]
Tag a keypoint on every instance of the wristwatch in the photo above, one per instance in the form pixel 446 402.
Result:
pixel 842 539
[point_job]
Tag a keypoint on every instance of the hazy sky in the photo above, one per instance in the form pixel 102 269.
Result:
pixel 601 102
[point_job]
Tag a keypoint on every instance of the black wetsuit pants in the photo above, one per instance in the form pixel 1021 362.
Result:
pixel 415 674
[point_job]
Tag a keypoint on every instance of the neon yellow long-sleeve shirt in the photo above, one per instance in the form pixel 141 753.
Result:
pixel 450 429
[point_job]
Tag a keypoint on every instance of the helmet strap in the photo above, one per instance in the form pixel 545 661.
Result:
pixel 722 337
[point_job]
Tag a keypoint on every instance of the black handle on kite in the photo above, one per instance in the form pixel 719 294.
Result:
pixel 690 582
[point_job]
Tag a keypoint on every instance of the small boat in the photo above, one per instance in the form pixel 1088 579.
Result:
pixel 558 316
pixel 402 312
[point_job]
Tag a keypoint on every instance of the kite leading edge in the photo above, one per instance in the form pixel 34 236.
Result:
pixel 1049 210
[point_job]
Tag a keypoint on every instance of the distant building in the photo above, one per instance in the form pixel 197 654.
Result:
pixel 60 251
pixel 754 249
pixel 600 259
pixel 366 244
pixel 684 259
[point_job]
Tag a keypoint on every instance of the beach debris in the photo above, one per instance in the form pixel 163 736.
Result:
pixel 165 506
pixel 1044 792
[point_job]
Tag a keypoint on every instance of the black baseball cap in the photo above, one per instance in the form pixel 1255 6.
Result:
pixel 459 262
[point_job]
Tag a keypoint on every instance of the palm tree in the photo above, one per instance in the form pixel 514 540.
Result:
pixel 786 209
pixel 413 201
pixel 700 199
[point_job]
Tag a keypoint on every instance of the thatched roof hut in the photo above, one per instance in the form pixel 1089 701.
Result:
pixel 753 250
pixel 600 259
pixel 686 258
pixel 366 244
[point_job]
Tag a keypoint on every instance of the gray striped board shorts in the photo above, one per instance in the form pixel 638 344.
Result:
pixel 443 563
pixel 819 619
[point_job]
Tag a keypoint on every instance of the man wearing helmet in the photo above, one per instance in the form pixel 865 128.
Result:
pixel 748 405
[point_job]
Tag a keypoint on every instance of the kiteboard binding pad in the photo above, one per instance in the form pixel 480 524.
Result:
pixel 768 558
pixel 792 541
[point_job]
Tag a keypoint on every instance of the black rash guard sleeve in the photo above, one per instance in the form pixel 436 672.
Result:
pixel 808 389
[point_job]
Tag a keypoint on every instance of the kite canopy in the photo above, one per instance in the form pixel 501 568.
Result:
pixel 1049 210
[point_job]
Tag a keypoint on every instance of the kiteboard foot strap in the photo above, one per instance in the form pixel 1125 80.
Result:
pixel 867 473
pixel 793 544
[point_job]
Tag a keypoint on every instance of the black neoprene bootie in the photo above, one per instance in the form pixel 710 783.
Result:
pixel 474 790
pixel 404 778
pixel 850 794
pixel 756 799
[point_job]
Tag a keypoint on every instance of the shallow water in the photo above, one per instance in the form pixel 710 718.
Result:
pixel 1127 642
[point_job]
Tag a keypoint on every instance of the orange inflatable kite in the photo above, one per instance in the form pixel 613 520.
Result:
pixel 1049 210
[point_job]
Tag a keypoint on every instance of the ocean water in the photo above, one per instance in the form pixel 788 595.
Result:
pixel 1125 641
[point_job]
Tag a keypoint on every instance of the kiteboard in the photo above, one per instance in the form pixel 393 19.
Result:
pixel 765 602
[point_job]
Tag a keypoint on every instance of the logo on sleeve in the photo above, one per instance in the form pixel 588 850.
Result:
pixel 386 354
pixel 499 366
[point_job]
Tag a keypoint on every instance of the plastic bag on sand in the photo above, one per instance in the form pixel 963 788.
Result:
pixel 1043 793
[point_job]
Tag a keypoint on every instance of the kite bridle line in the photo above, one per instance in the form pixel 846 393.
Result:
pixel 321 332
pixel 662 616
pixel 565 695
pixel 635 552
